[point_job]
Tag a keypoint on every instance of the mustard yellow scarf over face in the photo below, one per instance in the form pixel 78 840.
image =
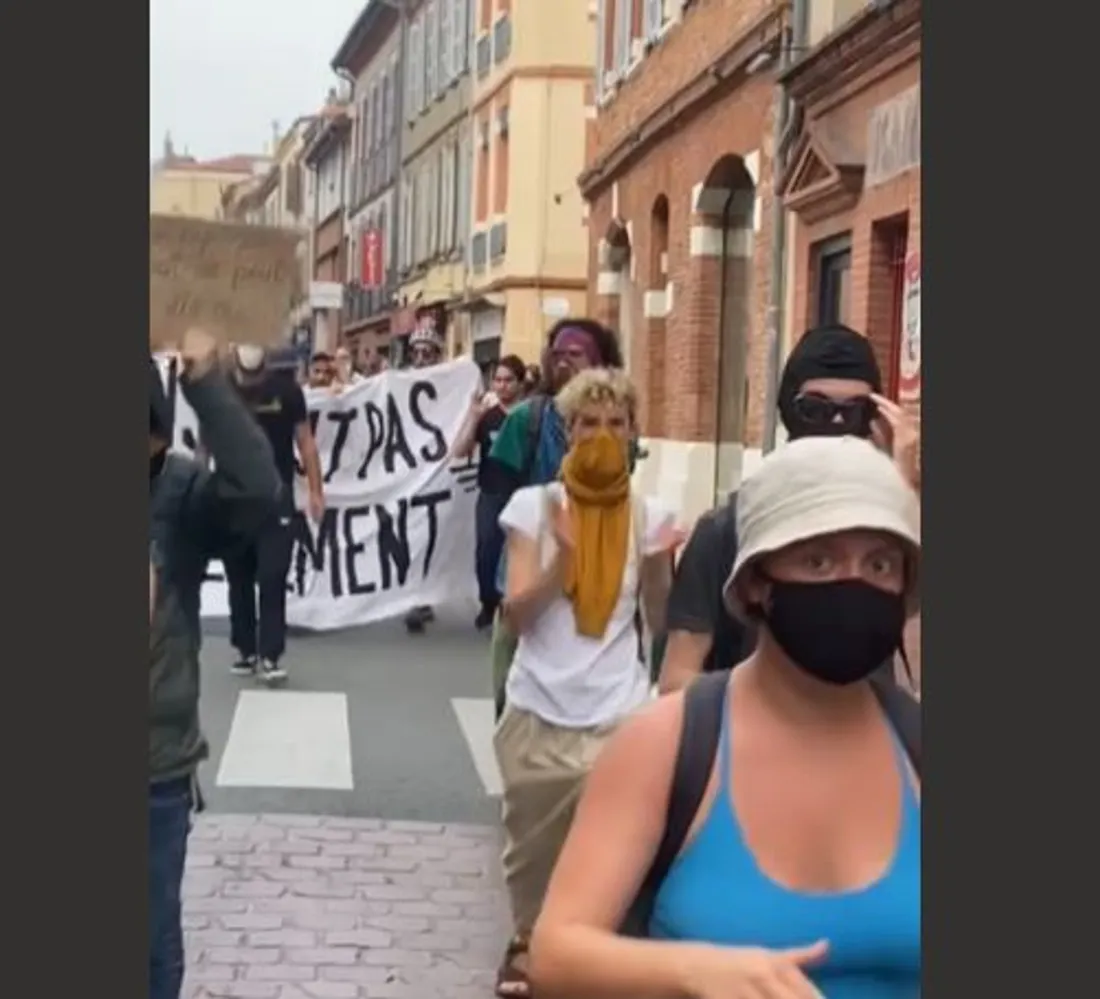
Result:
pixel 597 483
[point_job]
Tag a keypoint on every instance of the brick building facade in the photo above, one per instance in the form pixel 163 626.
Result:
pixel 853 187
pixel 678 188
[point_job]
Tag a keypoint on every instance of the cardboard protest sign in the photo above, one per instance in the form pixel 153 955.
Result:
pixel 238 282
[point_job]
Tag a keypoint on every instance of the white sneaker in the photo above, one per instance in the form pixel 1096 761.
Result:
pixel 270 674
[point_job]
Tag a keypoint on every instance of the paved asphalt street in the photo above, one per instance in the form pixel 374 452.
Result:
pixel 401 702
pixel 350 847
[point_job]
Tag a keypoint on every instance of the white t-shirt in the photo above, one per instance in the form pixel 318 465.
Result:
pixel 565 678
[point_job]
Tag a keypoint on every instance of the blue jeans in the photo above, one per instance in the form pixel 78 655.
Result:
pixel 169 823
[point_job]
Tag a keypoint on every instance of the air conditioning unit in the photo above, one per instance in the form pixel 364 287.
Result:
pixel 638 48
pixel 482 137
pixel 610 79
pixel 500 123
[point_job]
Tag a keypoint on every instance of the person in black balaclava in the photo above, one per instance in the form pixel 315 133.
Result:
pixel 194 515
pixel 830 386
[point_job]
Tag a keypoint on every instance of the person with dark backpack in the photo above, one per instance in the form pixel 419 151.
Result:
pixel 758 835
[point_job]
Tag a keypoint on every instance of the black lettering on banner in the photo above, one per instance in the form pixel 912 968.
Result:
pixel 396 441
pixel 353 548
pixel 431 501
pixel 438 448
pixel 314 417
pixel 310 551
pixel 343 421
pixel 335 546
pixel 376 431
pixel 393 543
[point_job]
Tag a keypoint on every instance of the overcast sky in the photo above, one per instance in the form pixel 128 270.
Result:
pixel 220 71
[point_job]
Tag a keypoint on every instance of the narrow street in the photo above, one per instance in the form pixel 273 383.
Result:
pixel 349 848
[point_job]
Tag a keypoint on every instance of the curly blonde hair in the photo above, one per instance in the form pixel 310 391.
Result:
pixel 596 385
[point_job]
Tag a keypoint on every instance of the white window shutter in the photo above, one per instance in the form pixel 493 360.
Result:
pixel 458 38
pixel 601 39
pixel 623 15
pixel 446 74
pixel 654 16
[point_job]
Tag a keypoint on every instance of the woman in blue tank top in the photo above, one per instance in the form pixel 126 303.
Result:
pixel 800 874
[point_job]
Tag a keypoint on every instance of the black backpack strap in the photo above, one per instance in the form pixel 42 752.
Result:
pixel 704 703
pixel 534 433
pixel 903 711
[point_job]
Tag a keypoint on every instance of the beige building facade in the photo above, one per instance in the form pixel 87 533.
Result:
pixel 533 64
pixel 179 184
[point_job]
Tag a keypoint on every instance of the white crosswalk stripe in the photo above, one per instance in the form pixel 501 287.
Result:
pixel 475 718
pixel 288 739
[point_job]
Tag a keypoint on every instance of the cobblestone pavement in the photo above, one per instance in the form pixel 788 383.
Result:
pixel 311 907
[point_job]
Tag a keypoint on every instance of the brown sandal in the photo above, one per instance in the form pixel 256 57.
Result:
pixel 512 982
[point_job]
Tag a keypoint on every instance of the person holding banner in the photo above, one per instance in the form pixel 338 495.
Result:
pixel 279 407
pixel 584 556
pixel 486 416
pixel 194 515
pixel 425 351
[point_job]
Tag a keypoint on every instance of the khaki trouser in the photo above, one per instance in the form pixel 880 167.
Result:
pixel 543 768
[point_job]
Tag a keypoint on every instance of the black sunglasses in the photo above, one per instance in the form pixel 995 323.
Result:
pixel 841 416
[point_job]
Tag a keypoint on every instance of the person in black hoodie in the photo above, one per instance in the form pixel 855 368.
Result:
pixel 195 515
pixel 830 386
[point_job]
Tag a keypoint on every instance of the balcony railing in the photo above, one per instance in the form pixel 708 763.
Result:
pixel 361 304
pixel 502 39
pixel 478 255
pixel 498 241
pixel 484 55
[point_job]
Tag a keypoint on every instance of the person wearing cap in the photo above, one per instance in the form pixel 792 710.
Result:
pixel 800 873
pixel 258 633
pixel 830 386
pixel 195 515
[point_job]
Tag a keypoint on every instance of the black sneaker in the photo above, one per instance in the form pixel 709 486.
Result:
pixel 484 619
pixel 270 674
pixel 245 666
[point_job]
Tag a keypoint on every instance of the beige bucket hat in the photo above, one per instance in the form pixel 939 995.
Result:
pixel 823 485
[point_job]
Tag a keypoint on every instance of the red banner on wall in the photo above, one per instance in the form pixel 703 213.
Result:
pixel 371 267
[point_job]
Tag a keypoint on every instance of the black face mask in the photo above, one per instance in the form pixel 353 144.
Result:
pixel 838 632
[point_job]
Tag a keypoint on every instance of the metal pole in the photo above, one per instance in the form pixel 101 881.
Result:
pixel 794 42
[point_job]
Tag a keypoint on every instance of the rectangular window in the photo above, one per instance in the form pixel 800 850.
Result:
pixel 414 64
pixel 502 39
pixel 624 29
pixel 460 36
pixel 431 36
pixel 376 116
pixel 500 163
pixel 446 8
pixel 654 19
pixel 834 280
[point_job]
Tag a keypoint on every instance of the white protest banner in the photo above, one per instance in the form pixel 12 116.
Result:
pixel 398 525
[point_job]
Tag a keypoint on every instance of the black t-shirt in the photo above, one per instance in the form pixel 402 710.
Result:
pixel 491 478
pixel 279 408
pixel 695 603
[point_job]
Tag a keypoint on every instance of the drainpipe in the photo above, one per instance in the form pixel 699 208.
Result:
pixel 794 43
